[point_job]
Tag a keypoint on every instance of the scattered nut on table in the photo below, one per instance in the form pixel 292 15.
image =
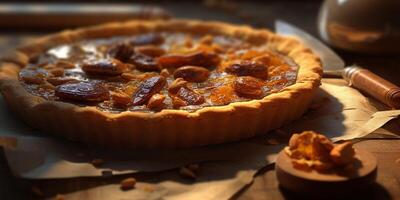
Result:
pixel 128 183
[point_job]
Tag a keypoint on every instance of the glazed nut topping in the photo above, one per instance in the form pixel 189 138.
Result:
pixel 128 183
pixel 110 67
pixel 83 91
pixel 200 58
pixel 192 73
pixel 153 71
pixel 33 76
pixel 249 68
pixel 310 150
pixel 143 62
pixel 147 89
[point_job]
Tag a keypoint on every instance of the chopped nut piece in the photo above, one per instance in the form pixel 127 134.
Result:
pixel 120 99
pixel 61 80
pixel 33 75
pixel 165 73
pixel 176 85
pixel 58 71
pixel 97 162
pixel 192 73
pixel 128 183
pixel 187 173
pixel 156 102
pixel 65 64
pixel 128 76
pixel 343 154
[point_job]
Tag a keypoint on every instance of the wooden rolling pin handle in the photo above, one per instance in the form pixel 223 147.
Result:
pixel 374 85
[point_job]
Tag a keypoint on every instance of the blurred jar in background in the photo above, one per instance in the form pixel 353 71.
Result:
pixel 366 26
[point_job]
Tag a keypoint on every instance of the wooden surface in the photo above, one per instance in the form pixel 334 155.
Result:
pixel 265 186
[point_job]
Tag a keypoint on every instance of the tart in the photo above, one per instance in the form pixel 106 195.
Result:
pixel 160 84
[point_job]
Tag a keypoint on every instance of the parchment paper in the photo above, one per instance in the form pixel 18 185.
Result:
pixel 337 111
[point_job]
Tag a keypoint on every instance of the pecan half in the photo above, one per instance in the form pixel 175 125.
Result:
pixel 144 62
pixel 61 80
pixel 192 73
pixel 107 67
pixel 149 87
pixel 190 96
pixel 83 91
pixel 200 58
pixel 121 52
pixel 150 50
pixel 248 68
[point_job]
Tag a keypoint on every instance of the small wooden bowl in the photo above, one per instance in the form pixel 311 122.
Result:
pixel 337 182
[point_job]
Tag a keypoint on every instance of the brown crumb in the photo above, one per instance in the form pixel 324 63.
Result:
pixel 187 173
pixel 397 161
pixel 97 162
pixel 128 183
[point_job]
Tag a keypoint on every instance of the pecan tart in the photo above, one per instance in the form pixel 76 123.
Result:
pixel 160 84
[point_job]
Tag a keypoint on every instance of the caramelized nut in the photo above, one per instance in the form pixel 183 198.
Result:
pixel 156 102
pixel 343 154
pixel 249 68
pixel 149 87
pixel 33 75
pixel 110 67
pixel 248 87
pixel 128 76
pixel 150 38
pixel 143 62
pixel 83 91
pixel 58 71
pixel 200 58
pixel 177 102
pixel 190 96
pixel 164 73
pixel 176 85
pixel 150 50
pixel 61 80
pixel 128 183
pixel 65 64
pixel 192 73
pixel 120 99
pixel 122 52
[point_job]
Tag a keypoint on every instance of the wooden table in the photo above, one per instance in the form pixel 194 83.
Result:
pixel 265 185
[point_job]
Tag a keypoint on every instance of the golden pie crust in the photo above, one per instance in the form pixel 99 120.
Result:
pixel 168 128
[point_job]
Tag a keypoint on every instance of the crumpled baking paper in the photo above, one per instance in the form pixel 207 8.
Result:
pixel 338 111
